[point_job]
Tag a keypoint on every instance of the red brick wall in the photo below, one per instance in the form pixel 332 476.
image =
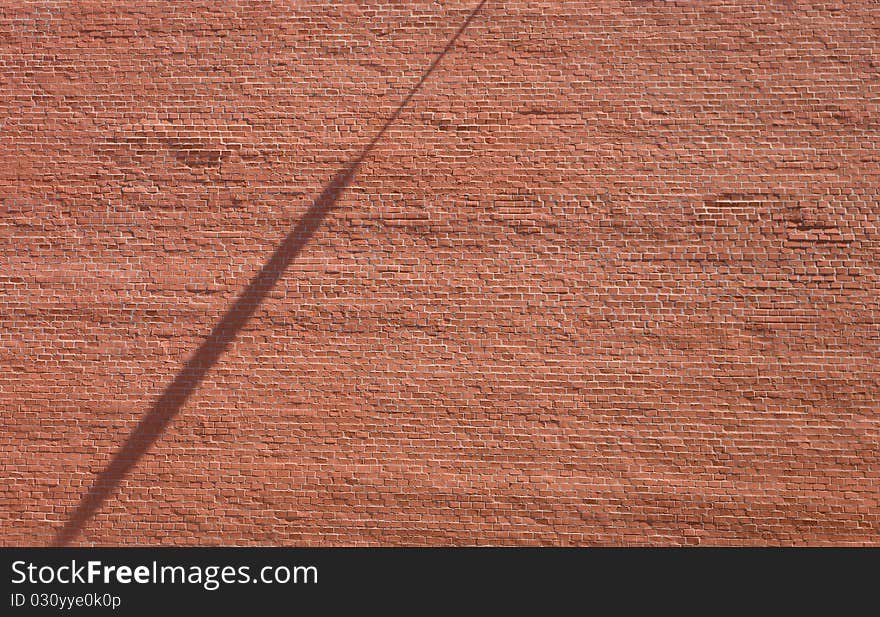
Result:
pixel 552 272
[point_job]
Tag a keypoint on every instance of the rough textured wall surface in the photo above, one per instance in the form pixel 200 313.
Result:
pixel 518 272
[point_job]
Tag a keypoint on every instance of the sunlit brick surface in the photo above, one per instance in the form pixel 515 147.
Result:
pixel 610 275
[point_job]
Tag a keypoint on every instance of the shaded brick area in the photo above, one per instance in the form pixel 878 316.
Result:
pixel 611 274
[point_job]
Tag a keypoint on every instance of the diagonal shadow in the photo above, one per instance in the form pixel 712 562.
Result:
pixel 214 346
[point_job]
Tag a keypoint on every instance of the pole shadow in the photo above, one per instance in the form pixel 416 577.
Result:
pixel 168 405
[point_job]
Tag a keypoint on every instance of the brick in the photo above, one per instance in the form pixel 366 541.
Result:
pixel 597 272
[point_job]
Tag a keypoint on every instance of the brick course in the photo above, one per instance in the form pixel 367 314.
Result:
pixel 547 272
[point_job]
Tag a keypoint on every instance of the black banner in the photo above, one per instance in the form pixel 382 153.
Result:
pixel 138 580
